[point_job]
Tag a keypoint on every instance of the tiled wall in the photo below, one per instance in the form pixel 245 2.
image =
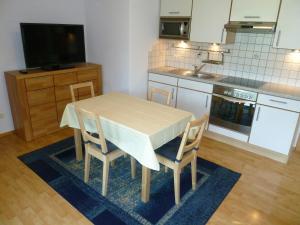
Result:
pixel 251 56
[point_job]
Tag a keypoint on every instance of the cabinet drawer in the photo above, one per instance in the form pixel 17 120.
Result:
pixel 40 97
pixel 37 83
pixel 163 79
pixel 63 93
pixel 60 108
pixel 65 79
pixel 43 119
pixel 278 102
pixel 87 75
pixel 194 85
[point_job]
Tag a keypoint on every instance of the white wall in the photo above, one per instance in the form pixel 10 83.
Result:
pixel 12 12
pixel 144 26
pixel 108 41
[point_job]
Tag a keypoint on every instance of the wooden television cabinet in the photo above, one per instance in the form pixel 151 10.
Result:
pixel 38 98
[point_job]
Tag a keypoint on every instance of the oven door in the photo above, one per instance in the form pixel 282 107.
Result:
pixel 232 113
pixel 177 29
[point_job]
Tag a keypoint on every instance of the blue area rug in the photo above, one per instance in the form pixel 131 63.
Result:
pixel 57 166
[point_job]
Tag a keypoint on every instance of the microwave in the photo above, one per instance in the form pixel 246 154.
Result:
pixel 175 28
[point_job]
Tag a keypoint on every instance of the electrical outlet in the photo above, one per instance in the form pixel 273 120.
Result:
pixel 2 115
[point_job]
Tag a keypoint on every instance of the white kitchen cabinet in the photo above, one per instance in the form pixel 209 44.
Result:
pixel 167 87
pixel 255 10
pixel 176 8
pixel 273 128
pixel 193 101
pixel 208 19
pixel 288 26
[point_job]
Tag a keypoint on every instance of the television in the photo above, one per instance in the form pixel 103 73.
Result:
pixel 52 46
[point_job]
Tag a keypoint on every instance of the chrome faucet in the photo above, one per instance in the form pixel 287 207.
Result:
pixel 197 69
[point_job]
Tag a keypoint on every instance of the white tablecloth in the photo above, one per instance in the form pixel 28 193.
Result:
pixel 136 126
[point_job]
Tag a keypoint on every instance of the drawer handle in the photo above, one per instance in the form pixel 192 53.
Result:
pixel 277 101
pixel 177 12
pixel 252 17
pixel 206 103
pixel 258 113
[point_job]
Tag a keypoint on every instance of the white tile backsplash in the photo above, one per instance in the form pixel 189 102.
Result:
pixel 251 56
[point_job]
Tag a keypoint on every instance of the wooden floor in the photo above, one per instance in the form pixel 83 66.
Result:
pixel 267 193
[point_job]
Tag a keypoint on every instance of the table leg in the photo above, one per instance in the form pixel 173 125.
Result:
pixel 78 146
pixel 146 175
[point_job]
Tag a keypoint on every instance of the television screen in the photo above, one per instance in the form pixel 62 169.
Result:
pixel 52 45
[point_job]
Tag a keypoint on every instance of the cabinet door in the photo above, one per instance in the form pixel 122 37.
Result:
pixel 273 128
pixel 166 87
pixel 208 20
pixel 176 8
pixel 195 102
pixel 288 26
pixel 255 10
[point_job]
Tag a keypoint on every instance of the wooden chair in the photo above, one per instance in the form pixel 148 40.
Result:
pixel 74 87
pixel 160 92
pixel 98 147
pixel 179 152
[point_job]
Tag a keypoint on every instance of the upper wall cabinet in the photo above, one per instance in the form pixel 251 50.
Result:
pixel 288 26
pixel 176 8
pixel 208 19
pixel 255 10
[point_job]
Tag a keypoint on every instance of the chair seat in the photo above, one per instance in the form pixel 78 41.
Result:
pixel 110 146
pixel 170 149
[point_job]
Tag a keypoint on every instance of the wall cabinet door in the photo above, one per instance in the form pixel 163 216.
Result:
pixel 175 8
pixel 255 10
pixel 273 128
pixel 288 26
pixel 166 87
pixel 208 20
pixel 195 102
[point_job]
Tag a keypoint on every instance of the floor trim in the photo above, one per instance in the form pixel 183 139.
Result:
pixel 4 134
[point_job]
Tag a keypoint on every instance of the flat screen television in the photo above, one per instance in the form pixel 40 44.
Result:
pixel 52 46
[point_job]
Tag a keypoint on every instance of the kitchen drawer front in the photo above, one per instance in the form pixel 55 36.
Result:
pixel 65 79
pixel 63 93
pixel 278 102
pixel 163 79
pixel 43 119
pixel 87 75
pixel 37 83
pixel 40 97
pixel 195 85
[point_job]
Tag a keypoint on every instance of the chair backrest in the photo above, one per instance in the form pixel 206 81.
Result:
pixel 200 125
pixel 160 92
pixel 74 87
pixel 96 138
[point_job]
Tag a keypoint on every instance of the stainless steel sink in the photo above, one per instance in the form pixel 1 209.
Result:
pixel 205 76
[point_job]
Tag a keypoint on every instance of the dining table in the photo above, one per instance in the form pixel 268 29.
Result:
pixel 136 126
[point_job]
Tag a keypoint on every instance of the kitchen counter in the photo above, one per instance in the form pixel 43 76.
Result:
pixel 274 89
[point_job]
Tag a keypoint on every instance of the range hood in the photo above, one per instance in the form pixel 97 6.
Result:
pixel 251 27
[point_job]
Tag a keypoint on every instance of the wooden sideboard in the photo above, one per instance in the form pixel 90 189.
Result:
pixel 38 98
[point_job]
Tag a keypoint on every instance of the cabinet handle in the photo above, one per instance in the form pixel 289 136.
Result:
pixel 277 101
pixel 252 17
pixel 278 38
pixel 172 93
pixel 206 103
pixel 222 36
pixel 258 113
pixel 176 12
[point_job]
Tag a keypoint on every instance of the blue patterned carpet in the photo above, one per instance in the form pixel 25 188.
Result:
pixel 57 166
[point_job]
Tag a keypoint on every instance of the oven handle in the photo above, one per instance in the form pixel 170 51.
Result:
pixel 235 100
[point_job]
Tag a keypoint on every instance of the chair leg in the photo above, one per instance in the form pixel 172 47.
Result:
pixel 133 167
pixel 194 172
pixel 87 165
pixel 166 169
pixel 177 185
pixel 105 177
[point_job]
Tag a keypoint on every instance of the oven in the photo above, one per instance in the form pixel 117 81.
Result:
pixel 233 108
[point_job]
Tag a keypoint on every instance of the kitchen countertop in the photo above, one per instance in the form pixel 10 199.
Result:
pixel 279 90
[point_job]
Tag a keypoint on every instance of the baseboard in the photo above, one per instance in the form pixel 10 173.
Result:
pixel 248 147
pixel 4 134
